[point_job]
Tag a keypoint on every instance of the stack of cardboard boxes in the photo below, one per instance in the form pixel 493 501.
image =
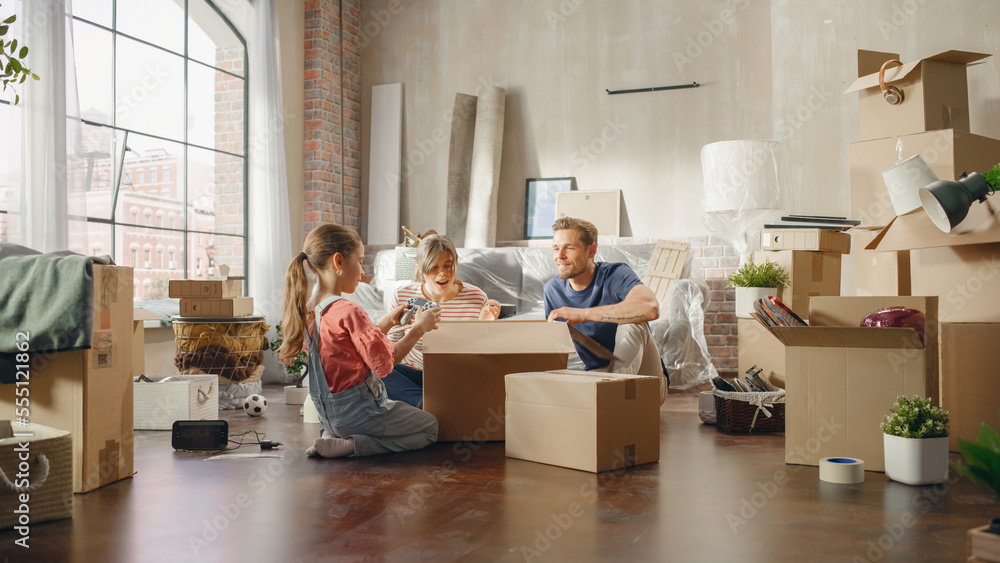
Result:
pixel 907 254
pixel 211 298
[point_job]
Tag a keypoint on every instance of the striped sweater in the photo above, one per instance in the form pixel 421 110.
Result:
pixel 463 307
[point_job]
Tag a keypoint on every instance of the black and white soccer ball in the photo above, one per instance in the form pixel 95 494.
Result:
pixel 255 405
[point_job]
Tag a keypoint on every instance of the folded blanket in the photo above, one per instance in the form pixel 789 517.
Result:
pixel 47 297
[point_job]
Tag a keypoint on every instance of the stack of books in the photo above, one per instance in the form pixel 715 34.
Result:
pixel 772 312
pixel 813 222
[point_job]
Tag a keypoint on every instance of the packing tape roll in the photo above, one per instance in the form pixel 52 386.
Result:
pixel 843 470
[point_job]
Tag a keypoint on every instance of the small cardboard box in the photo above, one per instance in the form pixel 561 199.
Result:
pixel 89 392
pixel 879 273
pixel 809 274
pixel 205 289
pixel 935 93
pixel 948 153
pixel 185 397
pixel 583 420
pixel 757 346
pixel 233 307
pixel 821 240
pixel 464 367
pixel 841 378
pixel 970 386
pixel 600 207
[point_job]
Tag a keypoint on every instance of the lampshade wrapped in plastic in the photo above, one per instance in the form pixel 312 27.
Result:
pixel 742 190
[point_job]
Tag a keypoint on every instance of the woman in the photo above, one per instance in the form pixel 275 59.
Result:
pixel 437 262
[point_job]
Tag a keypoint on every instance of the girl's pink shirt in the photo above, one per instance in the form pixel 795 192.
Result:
pixel 349 345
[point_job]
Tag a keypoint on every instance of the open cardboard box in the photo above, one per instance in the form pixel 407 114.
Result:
pixel 970 388
pixel 841 378
pixel 935 93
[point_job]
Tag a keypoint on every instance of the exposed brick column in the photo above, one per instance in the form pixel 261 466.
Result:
pixel 228 169
pixel 332 75
pixel 717 260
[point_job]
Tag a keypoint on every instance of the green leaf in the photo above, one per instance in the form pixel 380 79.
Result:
pixel 988 438
pixel 3 30
pixel 17 99
pixel 16 65
pixel 34 76
pixel 21 81
pixel 23 53
pixel 11 19
pixel 13 46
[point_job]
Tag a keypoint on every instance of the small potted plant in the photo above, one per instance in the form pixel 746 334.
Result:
pixel 981 464
pixel 915 438
pixel 297 371
pixel 755 281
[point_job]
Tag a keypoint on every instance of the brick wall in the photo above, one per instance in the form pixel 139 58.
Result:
pixel 228 170
pixel 711 259
pixel 332 113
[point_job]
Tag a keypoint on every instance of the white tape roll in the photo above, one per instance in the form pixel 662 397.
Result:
pixel 843 470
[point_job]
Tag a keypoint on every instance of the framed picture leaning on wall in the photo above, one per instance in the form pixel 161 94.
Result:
pixel 540 204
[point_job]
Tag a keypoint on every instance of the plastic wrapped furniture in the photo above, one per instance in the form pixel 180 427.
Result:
pixel 680 334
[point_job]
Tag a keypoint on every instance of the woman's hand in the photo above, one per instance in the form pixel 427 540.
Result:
pixel 490 311
pixel 426 320
pixel 391 318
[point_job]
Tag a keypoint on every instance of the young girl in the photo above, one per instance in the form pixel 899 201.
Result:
pixel 348 354
pixel 436 280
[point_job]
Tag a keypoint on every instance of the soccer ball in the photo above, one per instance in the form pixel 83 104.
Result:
pixel 255 405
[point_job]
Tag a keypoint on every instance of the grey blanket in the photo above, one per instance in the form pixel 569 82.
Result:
pixel 46 301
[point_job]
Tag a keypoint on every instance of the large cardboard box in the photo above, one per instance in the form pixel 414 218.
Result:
pixel 600 207
pixel 970 378
pixel 841 378
pixel 757 346
pixel 948 153
pixel 879 273
pixel 935 93
pixel 809 274
pixel 966 278
pixel 89 392
pixel 464 367
pixel 583 420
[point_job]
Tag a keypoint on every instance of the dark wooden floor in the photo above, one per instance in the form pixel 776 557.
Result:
pixel 711 498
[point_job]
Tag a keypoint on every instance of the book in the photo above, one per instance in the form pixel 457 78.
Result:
pixel 806 225
pixel 821 219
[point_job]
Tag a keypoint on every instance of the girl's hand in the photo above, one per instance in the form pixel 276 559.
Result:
pixel 427 319
pixel 491 311
pixel 394 314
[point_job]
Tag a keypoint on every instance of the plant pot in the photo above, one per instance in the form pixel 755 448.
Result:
pixel 295 395
pixel 916 461
pixel 747 296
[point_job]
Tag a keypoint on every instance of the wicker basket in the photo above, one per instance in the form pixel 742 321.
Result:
pixel 232 348
pixel 750 413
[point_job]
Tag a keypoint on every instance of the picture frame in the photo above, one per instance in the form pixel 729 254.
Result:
pixel 540 204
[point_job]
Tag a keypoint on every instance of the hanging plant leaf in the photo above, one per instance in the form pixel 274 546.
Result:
pixel 23 53
pixel 11 19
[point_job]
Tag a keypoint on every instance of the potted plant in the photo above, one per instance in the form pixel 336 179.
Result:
pixel 298 370
pixel 755 281
pixel 13 71
pixel 981 464
pixel 915 438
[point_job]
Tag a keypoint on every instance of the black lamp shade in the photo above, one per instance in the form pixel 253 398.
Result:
pixel 947 202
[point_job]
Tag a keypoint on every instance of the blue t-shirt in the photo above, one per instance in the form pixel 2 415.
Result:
pixel 612 282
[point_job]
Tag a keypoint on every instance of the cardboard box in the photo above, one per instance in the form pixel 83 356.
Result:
pixel 464 367
pixel 970 388
pixel 89 392
pixel 600 207
pixel 935 93
pixel 186 397
pixel 841 378
pixel 757 346
pixel 821 240
pixel 966 278
pixel 234 307
pixel 583 420
pixel 879 273
pixel 948 153
pixel 205 289
pixel 809 274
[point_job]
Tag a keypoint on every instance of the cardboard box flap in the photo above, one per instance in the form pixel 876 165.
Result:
pixel 847 337
pixel 583 390
pixel 897 73
pixel 140 314
pixel 498 337
pixel 915 230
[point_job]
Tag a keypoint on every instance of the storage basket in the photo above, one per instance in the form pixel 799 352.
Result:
pixel 186 397
pixel 49 483
pixel 229 348
pixel 750 413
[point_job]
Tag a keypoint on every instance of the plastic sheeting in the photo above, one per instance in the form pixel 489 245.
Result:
pixel 743 190
pixel 517 276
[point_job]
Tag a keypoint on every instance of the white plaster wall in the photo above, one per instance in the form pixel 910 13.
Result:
pixel 768 69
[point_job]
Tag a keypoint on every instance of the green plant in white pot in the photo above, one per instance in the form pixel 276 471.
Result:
pixel 915 438
pixel 755 281
pixel 297 371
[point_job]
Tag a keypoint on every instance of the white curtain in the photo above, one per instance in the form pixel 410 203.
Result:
pixel 47 31
pixel 270 240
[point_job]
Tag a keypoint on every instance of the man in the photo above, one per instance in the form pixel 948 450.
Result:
pixel 604 300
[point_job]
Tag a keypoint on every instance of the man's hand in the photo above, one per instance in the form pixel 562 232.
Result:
pixel 572 315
